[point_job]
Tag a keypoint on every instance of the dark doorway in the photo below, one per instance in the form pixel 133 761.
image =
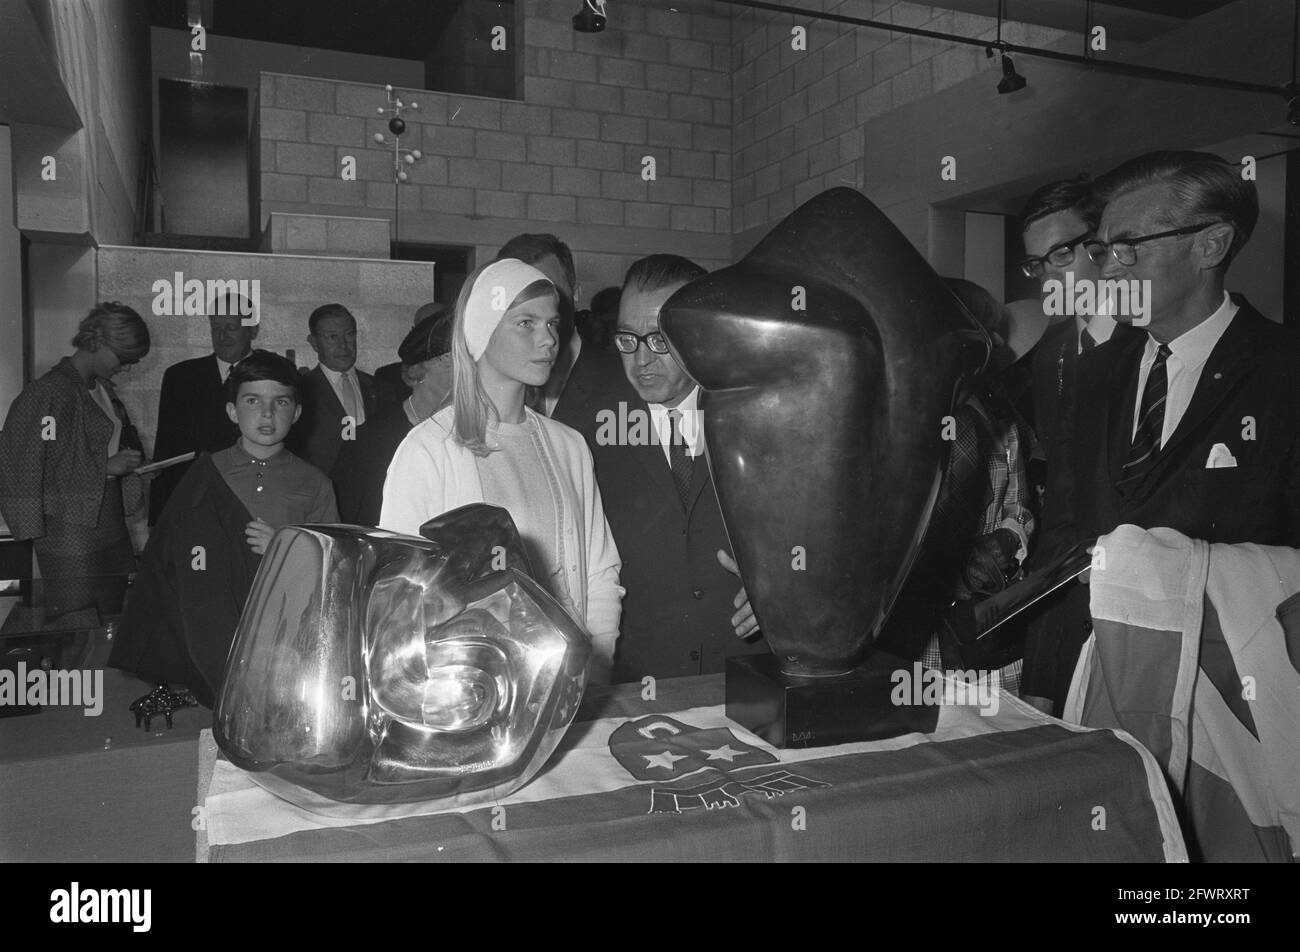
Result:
pixel 451 264
pixel 204 159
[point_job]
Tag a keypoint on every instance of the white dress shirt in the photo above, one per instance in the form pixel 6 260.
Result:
pixel 223 368
pixel 691 424
pixel 1101 326
pixel 349 379
pixel 1187 356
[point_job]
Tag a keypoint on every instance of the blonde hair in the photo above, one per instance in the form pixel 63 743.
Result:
pixel 473 410
pixel 116 326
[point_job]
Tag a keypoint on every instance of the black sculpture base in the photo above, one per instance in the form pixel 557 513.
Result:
pixel 817 712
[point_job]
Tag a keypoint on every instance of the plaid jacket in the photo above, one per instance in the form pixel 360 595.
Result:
pixel 54 454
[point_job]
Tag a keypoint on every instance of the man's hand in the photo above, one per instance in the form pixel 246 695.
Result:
pixel 127 461
pixel 743 621
pixel 258 534
pixel 992 562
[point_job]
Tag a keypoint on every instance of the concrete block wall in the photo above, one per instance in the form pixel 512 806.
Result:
pixel 332 235
pixel 799 115
pixel 567 159
pixel 383 295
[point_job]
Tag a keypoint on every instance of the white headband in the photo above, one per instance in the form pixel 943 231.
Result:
pixel 497 286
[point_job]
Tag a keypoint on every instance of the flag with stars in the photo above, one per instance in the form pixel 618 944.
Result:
pixel 664 748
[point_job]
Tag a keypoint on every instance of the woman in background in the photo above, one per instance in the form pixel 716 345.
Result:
pixel 67 444
pixel 487 446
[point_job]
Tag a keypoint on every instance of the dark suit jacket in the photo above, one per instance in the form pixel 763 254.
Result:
pixel 596 381
pixel 389 378
pixel 191 416
pixel 678 607
pixel 1250 378
pixel 362 466
pixel 1055 360
pixel 318 434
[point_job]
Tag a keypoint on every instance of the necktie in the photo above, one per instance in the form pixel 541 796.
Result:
pixel 1151 422
pixel 1086 341
pixel 678 460
pixel 348 392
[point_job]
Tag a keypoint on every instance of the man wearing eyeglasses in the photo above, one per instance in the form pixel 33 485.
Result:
pixel 1060 225
pixel 682 614
pixel 1191 425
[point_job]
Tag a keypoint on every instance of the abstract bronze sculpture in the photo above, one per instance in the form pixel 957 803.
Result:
pixel 372 667
pixel 829 358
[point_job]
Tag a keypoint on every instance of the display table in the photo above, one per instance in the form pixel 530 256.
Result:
pixel 77 788
pixel 671 780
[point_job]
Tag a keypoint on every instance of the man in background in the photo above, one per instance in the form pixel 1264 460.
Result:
pixel 1189 424
pixel 1060 226
pixel 583 377
pixel 338 398
pixel 192 404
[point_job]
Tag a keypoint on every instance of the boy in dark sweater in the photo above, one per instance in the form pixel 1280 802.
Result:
pixel 202 555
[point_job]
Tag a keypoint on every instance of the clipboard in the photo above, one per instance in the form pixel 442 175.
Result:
pixel 971 623
pixel 162 464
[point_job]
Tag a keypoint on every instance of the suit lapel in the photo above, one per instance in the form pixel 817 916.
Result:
pixel 214 374
pixel 699 481
pixel 369 394
pixel 1121 398
pixel 577 383
pixel 652 455
pixel 1232 359
pixel 324 388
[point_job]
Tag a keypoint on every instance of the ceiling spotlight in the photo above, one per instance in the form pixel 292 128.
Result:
pixel 591 18
pixel 1011 80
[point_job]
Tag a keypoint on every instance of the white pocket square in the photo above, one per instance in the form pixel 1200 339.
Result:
pixel 1220 458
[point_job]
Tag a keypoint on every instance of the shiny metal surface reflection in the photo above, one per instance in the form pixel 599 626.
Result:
pixel 829 357
pixel 371 667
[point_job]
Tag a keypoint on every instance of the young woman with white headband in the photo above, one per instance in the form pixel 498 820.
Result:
pixel 488 446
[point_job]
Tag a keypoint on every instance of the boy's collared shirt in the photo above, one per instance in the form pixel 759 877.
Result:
pixel 281 490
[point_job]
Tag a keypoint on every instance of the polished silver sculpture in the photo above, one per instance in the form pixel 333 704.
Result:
pixel 372 667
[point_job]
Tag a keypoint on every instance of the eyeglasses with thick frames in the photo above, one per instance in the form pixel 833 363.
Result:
pixel 1125 249
pixel 1059 255
pixel 627 342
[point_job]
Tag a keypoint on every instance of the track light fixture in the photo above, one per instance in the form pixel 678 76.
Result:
pixel 1011 80
pixel 591 18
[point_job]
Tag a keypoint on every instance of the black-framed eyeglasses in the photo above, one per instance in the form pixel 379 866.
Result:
pixel 1059 255
pixel 1125 249
pixel 627 342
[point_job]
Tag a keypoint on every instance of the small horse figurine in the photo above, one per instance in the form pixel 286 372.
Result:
pixel 161 700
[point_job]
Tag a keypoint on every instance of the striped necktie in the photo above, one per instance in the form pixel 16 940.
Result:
pixel 679 460
pixel 1151 422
